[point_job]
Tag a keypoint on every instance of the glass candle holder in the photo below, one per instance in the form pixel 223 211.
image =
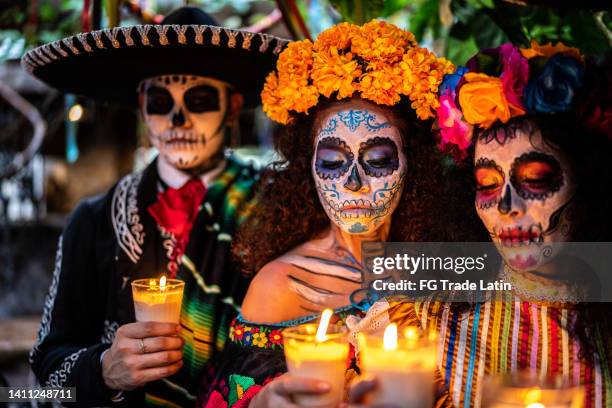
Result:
pixel 325 360
pixel 404 367
pixel 525 390
pixel 158 300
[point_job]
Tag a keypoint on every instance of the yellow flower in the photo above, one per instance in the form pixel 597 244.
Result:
pixel 260 339
pixel 548 50
pixel 334 72
pixel 271 101
pixel 482 100
pixel 338 37
pixel 379 40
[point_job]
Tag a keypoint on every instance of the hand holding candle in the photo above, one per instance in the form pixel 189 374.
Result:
pixel 319 353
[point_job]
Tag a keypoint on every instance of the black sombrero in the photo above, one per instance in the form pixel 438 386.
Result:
pixel 109 64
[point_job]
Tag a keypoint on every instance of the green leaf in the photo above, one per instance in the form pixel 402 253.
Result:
pixel 359 11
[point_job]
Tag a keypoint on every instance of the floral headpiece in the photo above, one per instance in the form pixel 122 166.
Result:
pixel 378 61
pixel 505 82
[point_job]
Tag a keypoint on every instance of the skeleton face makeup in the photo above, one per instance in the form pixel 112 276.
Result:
pixel 358 167
pixel 185 117
pixel 523 195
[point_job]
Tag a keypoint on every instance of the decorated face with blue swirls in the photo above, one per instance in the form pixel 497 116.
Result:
pixel 358 166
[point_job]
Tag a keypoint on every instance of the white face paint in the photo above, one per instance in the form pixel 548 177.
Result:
pixel 524 188
pixel 358 167
pixel 185 117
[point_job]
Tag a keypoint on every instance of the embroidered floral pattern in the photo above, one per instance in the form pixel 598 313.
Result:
pixel 269 337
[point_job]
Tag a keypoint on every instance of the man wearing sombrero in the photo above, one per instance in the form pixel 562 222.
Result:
pixel 190 79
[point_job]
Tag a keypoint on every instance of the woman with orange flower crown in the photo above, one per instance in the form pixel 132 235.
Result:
pixel 357 157
pixel 533 129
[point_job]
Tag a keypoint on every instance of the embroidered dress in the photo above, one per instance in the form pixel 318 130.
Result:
pixel 253 357
pixel 111 240
pixel 506 336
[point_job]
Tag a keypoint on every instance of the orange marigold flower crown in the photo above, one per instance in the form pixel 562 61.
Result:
pixel 377 61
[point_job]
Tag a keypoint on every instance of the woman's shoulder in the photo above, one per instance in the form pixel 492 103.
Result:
pixel 267 300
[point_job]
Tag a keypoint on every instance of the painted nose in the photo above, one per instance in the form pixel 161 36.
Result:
pixel 509 204
pixel 353 182
pixel 178 118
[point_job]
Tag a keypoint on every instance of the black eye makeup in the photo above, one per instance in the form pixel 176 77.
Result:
pixel 536 176
pixel 201 98
pixel 159 101
pixel 489 182
pixel 333 158
pixel 378 156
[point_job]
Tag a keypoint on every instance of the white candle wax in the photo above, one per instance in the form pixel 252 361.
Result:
pixel 318 353
pixel 155 303
pixel 405 377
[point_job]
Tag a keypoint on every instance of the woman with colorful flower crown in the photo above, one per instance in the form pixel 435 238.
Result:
pixel 534 128
pixel 357 157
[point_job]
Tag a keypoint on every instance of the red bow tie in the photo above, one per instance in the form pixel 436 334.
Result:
pixel 176 209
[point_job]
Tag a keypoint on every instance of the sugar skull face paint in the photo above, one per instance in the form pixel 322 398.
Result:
pixel 185 117
pixel 358 167
pixel 524 190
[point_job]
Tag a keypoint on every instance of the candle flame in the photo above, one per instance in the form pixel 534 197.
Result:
pixel 533 398
pixel 162 282
pixel 411 333
pixel 322 329
pixel 390 337
pixel 152 283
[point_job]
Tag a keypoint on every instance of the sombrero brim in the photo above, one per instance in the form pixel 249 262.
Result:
pixel 109 64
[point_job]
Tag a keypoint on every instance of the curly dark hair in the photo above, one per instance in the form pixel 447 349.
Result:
pixel 289 212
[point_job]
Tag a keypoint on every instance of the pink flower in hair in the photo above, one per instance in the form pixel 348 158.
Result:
pixel 453 129
pixel 514 76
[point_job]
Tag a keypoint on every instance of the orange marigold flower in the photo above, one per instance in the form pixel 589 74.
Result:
pixel 333 72
pixel 299 98
pixel 381 84
pixel 482 100
pixel 338 37
pixel 295 62
pixel 379 40
pixel 548 50
pixel 271 101
pixel 422 73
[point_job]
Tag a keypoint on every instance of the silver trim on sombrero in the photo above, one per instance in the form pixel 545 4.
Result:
pixel 199 33
pixel 66 48
pixel 82 37
pixel 162 31
pixel 57 46
pixel 247 36
pixel 97 35
pixel 127 35
pixel 231 42
pixel 143 31
pixel 216 35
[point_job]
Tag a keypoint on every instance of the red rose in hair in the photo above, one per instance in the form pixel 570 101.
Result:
pixel 176 209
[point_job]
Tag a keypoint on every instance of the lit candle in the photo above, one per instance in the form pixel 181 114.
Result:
pixel 158 300
pixel 320 353
pixel 523 390
pixel 404 367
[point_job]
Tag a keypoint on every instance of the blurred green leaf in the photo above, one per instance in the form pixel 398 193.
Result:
pixel 359 11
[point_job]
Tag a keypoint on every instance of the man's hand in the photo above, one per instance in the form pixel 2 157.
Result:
pixel 278 393
pixel 142 352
